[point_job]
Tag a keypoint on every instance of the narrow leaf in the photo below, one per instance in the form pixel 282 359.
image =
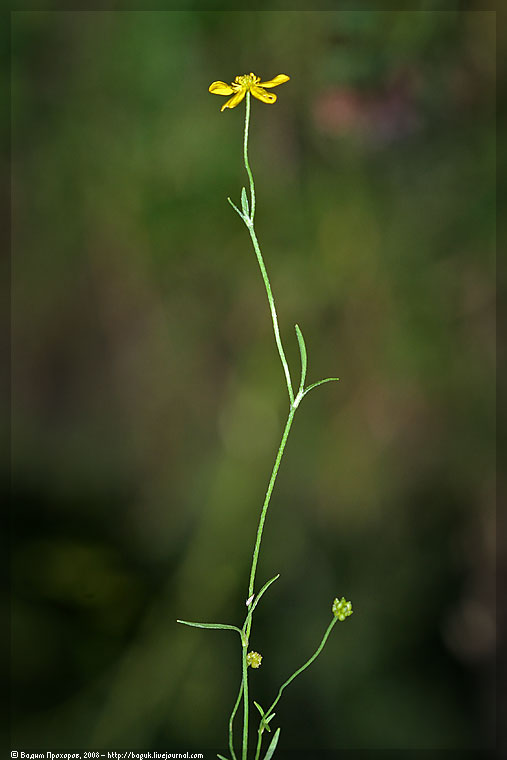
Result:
pixel 222 757
pixel 218 626
pixel 271 749
pixel 257 599
pixel 259 708
pixel 244 203
pixel 265 721
pixel 236 209
pixel 302 351
pixel 314 385
pixel 264 589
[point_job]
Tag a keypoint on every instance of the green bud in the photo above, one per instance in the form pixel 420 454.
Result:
pixel 341 608
pixel 254 659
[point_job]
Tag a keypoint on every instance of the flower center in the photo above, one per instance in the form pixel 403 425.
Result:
pixel 247 80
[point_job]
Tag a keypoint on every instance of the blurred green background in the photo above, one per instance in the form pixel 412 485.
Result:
pixel 148 399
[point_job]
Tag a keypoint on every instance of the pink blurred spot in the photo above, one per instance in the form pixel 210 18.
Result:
pixel 379 116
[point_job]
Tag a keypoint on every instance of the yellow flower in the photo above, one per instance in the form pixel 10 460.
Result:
pixel 247 83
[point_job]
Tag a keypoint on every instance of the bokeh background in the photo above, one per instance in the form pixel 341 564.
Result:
pixel 148 399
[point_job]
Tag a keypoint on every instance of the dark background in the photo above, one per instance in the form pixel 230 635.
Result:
pixel 148 398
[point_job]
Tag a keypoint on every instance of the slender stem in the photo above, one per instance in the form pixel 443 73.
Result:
pixel 249 221
pixel 245 156
pixel 273 312
pixel 267 498
pixel 306 665
pixel 231 720
pixel 259 744
pixel 245 702
pixel 249 224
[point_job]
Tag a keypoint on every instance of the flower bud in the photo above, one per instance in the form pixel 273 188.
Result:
pixel 341 608
pixel 254 659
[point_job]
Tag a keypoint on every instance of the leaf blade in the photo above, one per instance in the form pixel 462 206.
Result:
pixel 320 382
pixel 259 708
pixel 271 749
pixel 263 590
pixel 304 357
pixel 215 626
pixel 237 209
pixel 244 203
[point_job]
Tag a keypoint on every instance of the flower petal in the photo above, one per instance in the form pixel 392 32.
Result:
pixel 279 79
pixel 220 88
pixel 260 94
pixel 236 98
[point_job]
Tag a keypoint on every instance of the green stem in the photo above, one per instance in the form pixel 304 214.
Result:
pixel 249 221
pixel 267 498
pixel 303 667
pixel 273 311
pixel 259 744
pixel 245 702
pixel 231 720
pixel 245 156
pixel 249 224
